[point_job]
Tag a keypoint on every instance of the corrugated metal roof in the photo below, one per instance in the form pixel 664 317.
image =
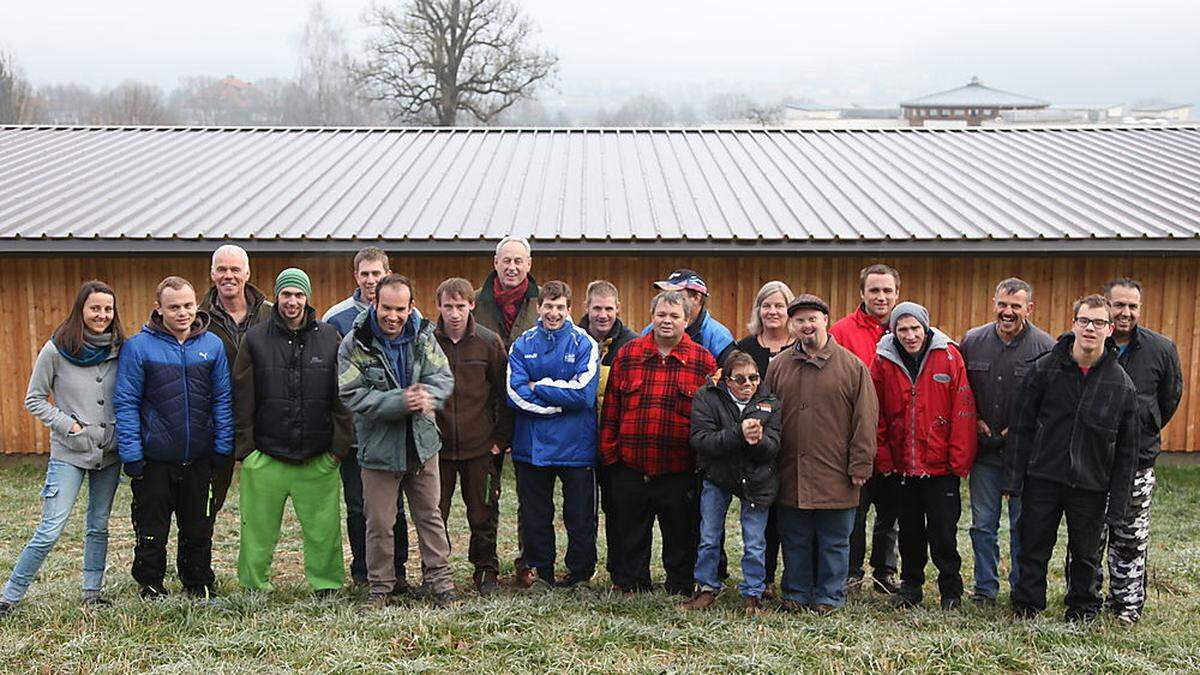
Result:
pixel 133 189
pixel 975 95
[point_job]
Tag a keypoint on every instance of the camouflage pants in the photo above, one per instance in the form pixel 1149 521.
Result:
pixel 1127 545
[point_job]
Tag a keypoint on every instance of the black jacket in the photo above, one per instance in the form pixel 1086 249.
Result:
pixel 1152 362
pixel 1076 430
pixel 285 382
pixel 723 457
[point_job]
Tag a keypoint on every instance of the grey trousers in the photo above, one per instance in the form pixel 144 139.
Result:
pixel 423 488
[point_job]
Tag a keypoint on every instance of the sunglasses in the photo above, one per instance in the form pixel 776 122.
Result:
pixel 743 379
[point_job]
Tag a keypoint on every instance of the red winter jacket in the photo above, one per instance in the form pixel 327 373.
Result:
pixel 859 332
pixel 926 428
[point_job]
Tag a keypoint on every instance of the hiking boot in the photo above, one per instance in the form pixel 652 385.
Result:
pixel 526 577
pixel 488 585
pixel 378 600
pixel 701 600
pixel 152 592
pixel 752 605
pixel 401 587
pixel 951 603
pixel 885 584
pixel 902 600
pixel 446 599
pixel 422 592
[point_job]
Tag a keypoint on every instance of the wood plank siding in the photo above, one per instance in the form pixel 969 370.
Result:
pixel 36 292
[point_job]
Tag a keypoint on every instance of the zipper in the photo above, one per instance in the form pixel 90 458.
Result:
pixel 912 437
pixel 187 423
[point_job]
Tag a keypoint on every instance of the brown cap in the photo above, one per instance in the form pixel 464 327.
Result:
pixel 807 301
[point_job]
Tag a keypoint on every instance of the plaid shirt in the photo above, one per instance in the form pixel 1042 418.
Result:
pixel 646 417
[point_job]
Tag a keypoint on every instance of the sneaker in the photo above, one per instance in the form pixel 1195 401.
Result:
pixel 885 584
pixel 951 603
pixel 378 600
pixel 488 585
pixel 983 601
pixel 445 599
pixel 823 609
pixel 152 592
pixel 701 600
pixel 752 605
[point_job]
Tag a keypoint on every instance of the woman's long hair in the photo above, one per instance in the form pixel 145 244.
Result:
pixel 68 337
pixel 768 289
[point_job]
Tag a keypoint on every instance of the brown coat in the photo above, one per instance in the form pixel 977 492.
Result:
pixel 476 416
pixel 829 417
pixel 487 313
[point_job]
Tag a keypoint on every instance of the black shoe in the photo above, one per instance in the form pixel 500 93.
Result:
pixel 96 601
pixel 902 600
pixel 446 599
pixel 202 592
pixel 7 607
pixel 152 592
pixel 572 581
pixel 1024 611
pixel 1081 615
pixel 983 601
pixel 951 603
pixel 886 584
pixel 488 585
pixel 402 588
pixel 422 592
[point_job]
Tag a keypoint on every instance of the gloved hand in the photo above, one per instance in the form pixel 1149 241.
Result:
pixel 135 469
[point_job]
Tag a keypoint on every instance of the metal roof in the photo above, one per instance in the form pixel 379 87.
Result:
pixel 975 95
pixel 98 189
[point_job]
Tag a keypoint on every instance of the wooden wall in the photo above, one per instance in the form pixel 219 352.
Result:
pixel 36 292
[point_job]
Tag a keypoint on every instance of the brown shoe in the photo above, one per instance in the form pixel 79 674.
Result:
pixel 701 600
pixel 378 600
pixel 752 605
pixel 769 592
pixel 823 609
pixel 526 577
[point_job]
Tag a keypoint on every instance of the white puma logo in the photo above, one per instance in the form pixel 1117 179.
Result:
pixel 204 355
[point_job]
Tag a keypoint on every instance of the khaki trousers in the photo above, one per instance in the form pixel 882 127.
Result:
pixel 423 489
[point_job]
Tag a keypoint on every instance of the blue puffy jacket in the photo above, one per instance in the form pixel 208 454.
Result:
pixel 174 402
pixel 556 420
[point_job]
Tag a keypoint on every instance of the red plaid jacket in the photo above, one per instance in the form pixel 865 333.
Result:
pixel 646 417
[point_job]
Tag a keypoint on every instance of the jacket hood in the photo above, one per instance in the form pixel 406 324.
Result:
pixel 156 326
pixel 1066 342
pixel 887 347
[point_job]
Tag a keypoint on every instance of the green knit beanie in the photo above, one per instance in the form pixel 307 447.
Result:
pixel 295 277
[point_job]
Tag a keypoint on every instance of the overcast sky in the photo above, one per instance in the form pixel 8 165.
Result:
pixel 865 51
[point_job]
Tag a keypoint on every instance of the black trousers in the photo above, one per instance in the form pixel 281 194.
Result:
pixel 1043 505
pixel 535 492
pixel 356 522
pixel 672 500
pixel 929 512
pixel 882 493
pixel 185 491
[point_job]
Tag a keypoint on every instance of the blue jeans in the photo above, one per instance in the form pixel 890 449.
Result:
pixel 63 482
pixel 714 504
pixel 820 536
pixel 987 477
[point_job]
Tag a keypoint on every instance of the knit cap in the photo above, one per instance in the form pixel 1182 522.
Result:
pixel 294 277
pixel 909 309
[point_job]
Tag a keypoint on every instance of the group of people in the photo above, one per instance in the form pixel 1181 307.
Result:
pixel 810 424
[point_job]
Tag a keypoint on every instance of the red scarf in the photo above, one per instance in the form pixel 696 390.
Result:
pixel 509 301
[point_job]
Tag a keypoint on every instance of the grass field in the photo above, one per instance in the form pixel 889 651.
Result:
pixel 563 631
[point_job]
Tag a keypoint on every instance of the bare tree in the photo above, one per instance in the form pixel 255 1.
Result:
pixel 18 105
pixel 431 59
pixel 645 110
pixel 134 103
pixel 766 116
pixel 326 76
pixel 727 106
pixel 69 103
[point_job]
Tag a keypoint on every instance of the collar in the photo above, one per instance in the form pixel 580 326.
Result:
pixel 681 352
pixel 440 331
pixel 821 357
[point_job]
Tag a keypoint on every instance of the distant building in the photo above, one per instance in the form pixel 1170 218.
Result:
pixel 972 103
pixel 809 111
pixel 1167 111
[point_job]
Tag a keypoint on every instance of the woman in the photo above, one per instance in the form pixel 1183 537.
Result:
pixel 77 367
pixel 769 336
pixel 735 433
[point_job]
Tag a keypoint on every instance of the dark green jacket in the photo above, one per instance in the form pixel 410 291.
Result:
pixel 258 310
pixel 487 312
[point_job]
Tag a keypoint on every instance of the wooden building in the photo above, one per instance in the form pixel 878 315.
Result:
pixel 955 211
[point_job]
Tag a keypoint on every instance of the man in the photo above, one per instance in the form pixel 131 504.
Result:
pixel 702 328
pixel 292 431
pixel 998 356
pixel 644 439
pixel 927 438
pixel 860 331
pixel 552 381
pixel 602 321
pixel 1073 447
pixel 476 424
pixel 506 304
pixel 173 404
pixel 233 305
pixel 393 376
pixel 370 265
pixel 1152 362
pixel 827 446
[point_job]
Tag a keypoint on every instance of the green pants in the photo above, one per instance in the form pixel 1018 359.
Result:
pixel 315 489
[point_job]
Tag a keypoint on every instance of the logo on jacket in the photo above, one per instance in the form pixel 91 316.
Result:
pixel 569 358
pixel 531 356
pixel 941 377
pixel 316 360
pixel 204 355
pixel 765 407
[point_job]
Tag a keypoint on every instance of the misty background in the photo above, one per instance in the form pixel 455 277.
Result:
pixel 659 61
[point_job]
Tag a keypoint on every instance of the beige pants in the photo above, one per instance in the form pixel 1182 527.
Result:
pixel 423 488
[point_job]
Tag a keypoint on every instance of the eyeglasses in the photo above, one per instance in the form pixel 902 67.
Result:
pixel 1098 324
pixel 743 379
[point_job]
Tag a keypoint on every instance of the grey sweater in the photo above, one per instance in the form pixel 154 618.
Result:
pixel 81 394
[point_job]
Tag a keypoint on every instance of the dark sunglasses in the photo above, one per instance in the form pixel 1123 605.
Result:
pixel 743 379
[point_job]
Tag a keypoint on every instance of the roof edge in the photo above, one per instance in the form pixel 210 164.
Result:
pixel 1175 126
